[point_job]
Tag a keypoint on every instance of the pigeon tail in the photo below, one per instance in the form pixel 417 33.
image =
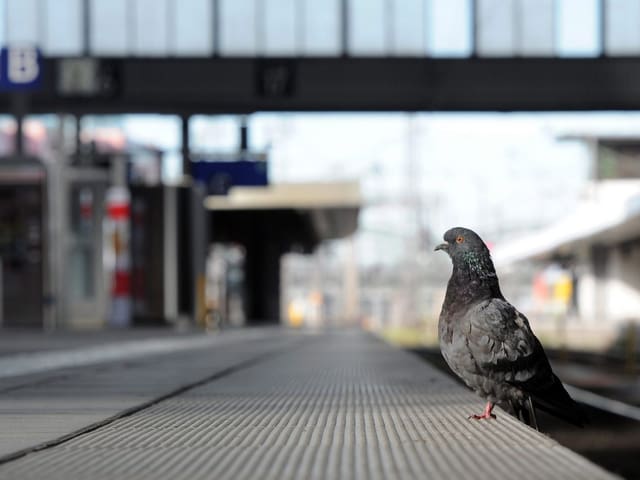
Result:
pixel 555 400
pixel 525 413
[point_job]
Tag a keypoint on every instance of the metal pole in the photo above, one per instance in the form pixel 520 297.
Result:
pixel 198 247
pixel 78 138
pixel 244 134
pixel 215 28
pixel 86 28
pixel 603 28
pixel 344 28
pixel 19 140
pixel 1 296
pixel 19 110
pixel 474 28
pixel 57 193
pixel 186 150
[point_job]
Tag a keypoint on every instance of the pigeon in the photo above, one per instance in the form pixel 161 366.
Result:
pixel 490 345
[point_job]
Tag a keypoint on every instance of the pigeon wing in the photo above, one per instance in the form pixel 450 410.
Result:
pixel 506 350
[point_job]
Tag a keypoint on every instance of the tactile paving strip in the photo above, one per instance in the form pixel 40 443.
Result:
pixel 344 406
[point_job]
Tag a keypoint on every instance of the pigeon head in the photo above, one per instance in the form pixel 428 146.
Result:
pixel 466 248
pixel 461 240
pixel 473 273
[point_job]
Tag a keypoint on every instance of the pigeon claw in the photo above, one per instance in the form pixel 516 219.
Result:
pixel 485 415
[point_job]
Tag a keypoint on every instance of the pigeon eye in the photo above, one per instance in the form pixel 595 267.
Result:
pixel 459 239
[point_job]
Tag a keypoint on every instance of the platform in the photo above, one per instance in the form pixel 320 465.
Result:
pixel 267 403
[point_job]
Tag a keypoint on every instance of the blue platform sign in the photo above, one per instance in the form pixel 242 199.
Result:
pixel 20 68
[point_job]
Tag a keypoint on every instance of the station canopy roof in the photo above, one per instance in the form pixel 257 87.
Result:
pixel 331 207
pixel 609 215
pixel 281 28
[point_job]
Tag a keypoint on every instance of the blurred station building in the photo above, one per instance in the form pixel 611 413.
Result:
pixel 92 234
pixel 586 285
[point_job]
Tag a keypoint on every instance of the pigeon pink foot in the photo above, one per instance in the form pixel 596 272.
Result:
pixel 486 414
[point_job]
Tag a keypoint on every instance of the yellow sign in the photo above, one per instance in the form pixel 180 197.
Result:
pixel 563 289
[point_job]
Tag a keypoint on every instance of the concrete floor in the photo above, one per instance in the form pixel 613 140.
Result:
pixel 264 403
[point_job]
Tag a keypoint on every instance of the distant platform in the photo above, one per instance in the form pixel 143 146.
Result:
pixel 267 403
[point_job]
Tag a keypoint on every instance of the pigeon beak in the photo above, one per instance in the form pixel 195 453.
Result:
pixel 442 246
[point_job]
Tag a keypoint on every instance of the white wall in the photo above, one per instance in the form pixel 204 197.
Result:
pixel 610 301
pixel 623 295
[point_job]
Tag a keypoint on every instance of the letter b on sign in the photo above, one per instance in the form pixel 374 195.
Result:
pixel 20 68
pixel 22 65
